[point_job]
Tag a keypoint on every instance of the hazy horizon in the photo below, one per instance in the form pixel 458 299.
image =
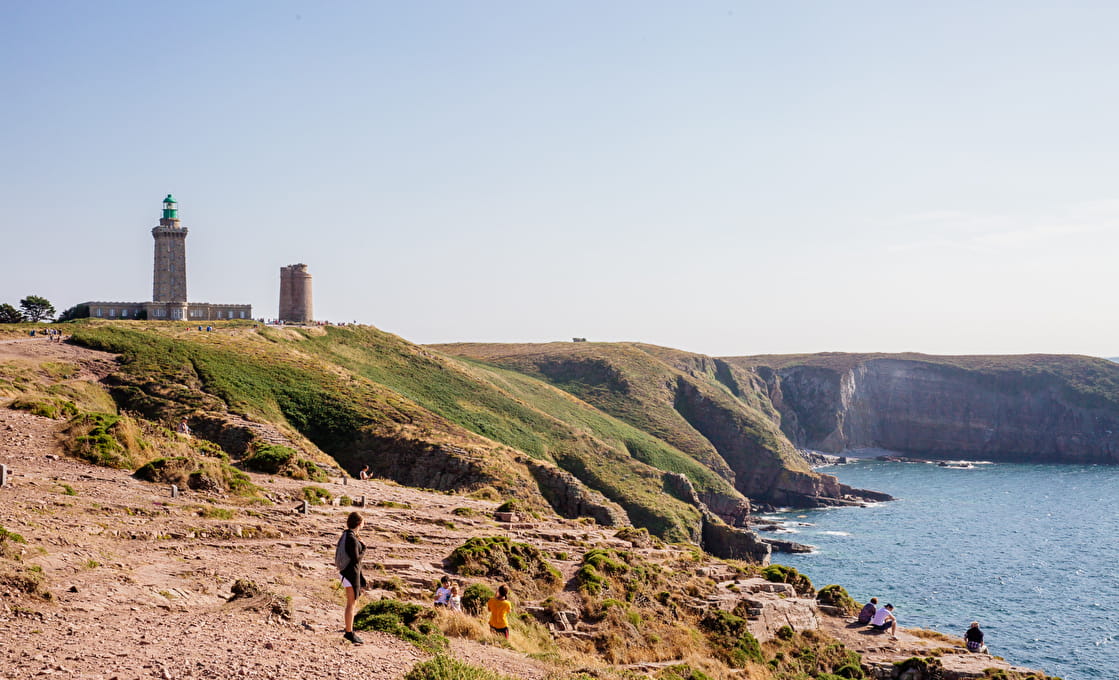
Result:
pixel 729 179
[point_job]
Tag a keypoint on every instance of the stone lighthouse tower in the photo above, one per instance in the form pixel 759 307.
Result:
pixel 295 294
pixel 169 280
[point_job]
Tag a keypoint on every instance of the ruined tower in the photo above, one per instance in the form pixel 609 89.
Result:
pixel 169 279
pixel 295 294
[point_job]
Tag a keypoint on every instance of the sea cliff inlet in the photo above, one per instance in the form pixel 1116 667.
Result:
pixel 1029 551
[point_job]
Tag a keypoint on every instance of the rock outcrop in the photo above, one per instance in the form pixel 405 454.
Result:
pixel 716 537
pixel 571 498
pixel 1027 409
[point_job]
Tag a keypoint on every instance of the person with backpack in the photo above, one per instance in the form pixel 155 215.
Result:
pixel 347 559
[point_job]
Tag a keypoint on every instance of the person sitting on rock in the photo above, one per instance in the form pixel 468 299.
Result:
pixel 884 620
pixel 443 592
pixel 867 612
pixel 364 474
pixel 974 639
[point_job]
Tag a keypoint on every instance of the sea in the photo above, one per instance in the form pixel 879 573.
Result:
pixel 1029 551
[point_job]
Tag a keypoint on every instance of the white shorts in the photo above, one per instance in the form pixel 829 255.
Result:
pixel 345 583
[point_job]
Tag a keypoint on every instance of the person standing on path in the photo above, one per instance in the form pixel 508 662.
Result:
pixel 348 560
pixel 500 607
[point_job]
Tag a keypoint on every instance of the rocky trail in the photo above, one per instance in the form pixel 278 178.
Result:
pixel 140 582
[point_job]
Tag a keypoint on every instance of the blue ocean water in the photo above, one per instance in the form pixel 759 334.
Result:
pixel 1029 551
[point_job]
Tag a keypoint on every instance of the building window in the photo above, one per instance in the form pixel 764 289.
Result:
pixel 98 311
pixel 112 311
pixel 124 313
pixel 242 314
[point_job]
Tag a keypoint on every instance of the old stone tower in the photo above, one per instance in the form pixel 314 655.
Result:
pixel 295 294
pixel 169 278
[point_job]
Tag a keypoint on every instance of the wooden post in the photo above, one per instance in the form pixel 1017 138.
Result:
pixel 3 476
pixel 174 491
pixel 361 502
pixel 304 508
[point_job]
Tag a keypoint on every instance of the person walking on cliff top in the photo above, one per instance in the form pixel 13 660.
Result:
pixel 884 620
pixel 867 612
pixel 347 558
pixel 974 639
pixel 499 608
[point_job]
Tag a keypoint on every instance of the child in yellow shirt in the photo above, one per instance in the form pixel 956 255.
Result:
pixel 500 607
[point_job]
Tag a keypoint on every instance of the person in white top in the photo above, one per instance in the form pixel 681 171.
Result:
pixel 884 619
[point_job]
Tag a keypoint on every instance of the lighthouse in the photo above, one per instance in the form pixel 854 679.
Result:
pixel 169 278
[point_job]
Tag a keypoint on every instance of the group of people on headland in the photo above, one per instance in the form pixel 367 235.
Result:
pixel 883 619
pixel 348 557
pixel 879 618
pixel 51 334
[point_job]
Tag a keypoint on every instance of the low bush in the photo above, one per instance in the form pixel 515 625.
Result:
pixel 199 474
pixel 7 538
pixel 268 458
pixel 28 580
pixel 95 438
pixel 730 639
pixel 405 620
pixel 274 459
pixel 48 407
pixel 521 565
pixel 812 653
pixel 682 672
pixel 836 596
pixel 779 573
pixel 316 495
pixel 445 668
pixel 475 597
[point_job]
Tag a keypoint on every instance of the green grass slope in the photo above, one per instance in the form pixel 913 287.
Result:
pixel 713 412
pixel 367 397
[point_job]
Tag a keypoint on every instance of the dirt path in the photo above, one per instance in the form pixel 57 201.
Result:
pixel 94 365
pixel 140 581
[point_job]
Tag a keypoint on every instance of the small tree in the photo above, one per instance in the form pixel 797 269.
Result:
pixel 37 308
pixel 9 314
pixel 75 312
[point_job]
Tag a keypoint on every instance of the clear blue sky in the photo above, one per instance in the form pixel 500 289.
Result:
pixel 728 178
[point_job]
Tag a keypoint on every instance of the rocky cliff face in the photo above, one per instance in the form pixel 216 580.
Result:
pixel 939 410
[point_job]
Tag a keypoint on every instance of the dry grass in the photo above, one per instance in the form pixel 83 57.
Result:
pixel 460 625
pixel 926 634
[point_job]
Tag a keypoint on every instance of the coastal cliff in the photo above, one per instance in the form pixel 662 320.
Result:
pixel 1031 408
pixel 713 417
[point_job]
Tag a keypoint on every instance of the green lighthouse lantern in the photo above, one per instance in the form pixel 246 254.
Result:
pixel 170 208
